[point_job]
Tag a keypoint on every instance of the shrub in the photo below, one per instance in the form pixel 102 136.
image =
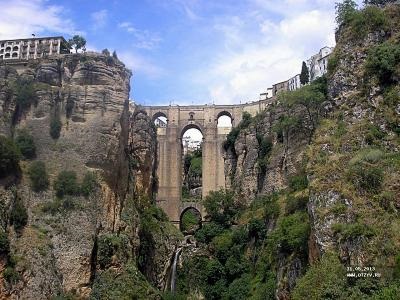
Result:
pixel 89 184
pixel 9 157
pixel 352 231
pixel 109 245
pixel 324 280
pixel 366 177
pixel 11 276
pixel 239 289
pixel 55 127
pixel 294 204
pixel 4 244
pixel 25 143
pixel 52 207
pixel 374 134
pixel 221 207
pixel 207 232
pixel 221 245
pixel 25 92
pixel 66 184
pixel 19 215
pixel 38 176
pixel 392 96
pixel 383 61
pixel 298 182
pixel 333 62
pixel 292 232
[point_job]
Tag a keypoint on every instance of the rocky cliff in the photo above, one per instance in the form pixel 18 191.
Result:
pixel 76 109
pixel 348 160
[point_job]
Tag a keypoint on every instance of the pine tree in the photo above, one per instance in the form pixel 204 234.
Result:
pixel 304 75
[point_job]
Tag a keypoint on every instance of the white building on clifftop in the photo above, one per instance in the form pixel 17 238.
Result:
pixel 318 63
pixel 33 48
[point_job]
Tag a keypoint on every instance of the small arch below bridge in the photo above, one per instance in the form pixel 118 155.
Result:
pixel 190 219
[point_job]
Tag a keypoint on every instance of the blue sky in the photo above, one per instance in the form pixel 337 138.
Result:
pixel 187 51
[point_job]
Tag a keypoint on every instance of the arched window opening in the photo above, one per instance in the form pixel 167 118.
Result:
pixel 15 54
pixel 15 48
pixel 192 163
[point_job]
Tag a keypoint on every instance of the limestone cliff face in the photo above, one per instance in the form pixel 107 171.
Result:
pixel 244 171
pixel 360 102
pixel 100 133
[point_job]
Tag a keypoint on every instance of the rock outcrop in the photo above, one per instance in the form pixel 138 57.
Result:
pixel 101 133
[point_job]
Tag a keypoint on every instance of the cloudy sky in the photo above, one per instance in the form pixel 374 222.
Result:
pixel 187 51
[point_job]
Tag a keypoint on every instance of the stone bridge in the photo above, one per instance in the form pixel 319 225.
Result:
pixel 180 119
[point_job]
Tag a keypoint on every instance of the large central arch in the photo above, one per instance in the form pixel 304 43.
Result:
pixel 169 170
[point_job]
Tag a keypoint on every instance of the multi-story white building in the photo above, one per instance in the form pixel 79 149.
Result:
pixel 33 48
pixel 318 63
pixel 294 83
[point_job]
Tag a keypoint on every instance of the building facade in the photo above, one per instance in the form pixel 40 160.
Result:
pixel 318 63
pixel 24 49
pixel 279 87
pixel 294 83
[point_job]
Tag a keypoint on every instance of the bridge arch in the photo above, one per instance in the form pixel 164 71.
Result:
pixel 190 218
pixel 192 125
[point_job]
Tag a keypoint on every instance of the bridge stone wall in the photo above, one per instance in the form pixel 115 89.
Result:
pixel 204 118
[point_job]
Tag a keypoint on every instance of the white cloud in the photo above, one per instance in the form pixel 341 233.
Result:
pixel 254 59
pixel 144 39
pixel 21 18
pixel 140 64
pixel 99 18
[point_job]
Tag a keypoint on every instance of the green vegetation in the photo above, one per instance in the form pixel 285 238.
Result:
pixel 25 91
pixel 66 184
pixel 9 157
pixel 358 23
pixel 77 42
pixel 4 243
pixel 221 207
pixel 232 136
pixel 55 127
pixel 365 172
pixel 89 184
pixel 109 246
pixel 190 221
pixel 383 61
pixel 305 74
pixel 11 275
pixel 25 143
pixel 18 215
pixel 59 205
pixel 38 176
pixel 127 283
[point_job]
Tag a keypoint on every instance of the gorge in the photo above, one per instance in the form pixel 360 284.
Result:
pixel 302 192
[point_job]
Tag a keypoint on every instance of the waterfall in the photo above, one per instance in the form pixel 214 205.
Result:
pixel 173 269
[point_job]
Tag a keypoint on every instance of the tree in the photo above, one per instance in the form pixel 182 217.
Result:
pixel 345 11
pixel 25 143
pixel 379 2
pixel 77 42
pixel 221 207
pixel 304 75
pixel 66 184
pixel 9 157
pixel 38 176
pixel 115 54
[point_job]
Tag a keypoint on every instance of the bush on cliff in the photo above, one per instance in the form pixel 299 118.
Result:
pixel 55 127
pixel 25 93
pixel 38 176
pixel 19 214
pixel 89 184
pixel 66 184
pixel 25 143
pixel 9 157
